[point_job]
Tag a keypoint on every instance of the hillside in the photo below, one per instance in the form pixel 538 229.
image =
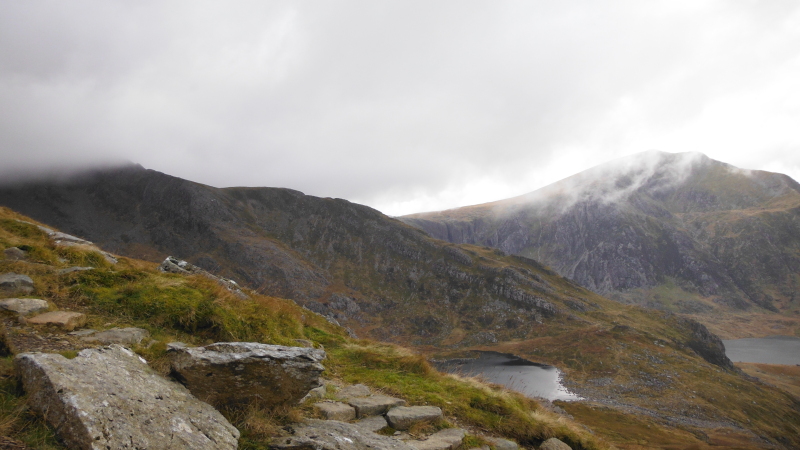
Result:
pixel 650 379
pixel 676 232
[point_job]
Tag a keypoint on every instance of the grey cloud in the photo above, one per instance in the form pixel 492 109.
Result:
pixel 362 100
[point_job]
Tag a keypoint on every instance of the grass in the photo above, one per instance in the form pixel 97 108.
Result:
pixel 197 310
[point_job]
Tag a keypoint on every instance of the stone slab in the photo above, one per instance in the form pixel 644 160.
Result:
pixel 353 391
pixel 373 423
pixel 334 435
pixel 335 411
pixel 446 439
pixel 375 405
pixel 65 320
pixel 403 417
pixel 109 398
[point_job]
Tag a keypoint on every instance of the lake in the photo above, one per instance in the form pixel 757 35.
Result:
pixel 529 378
pixel 770 350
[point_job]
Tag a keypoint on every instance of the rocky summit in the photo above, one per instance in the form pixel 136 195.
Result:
pixel 678 232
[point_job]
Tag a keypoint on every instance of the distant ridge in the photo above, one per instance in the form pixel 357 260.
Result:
pixel 681 232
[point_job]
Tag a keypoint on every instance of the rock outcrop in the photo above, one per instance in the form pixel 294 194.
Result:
pixel 175 265
pixel 23 306
pixel 402 417
pixel 109 398
pixel 15 254
pixel 554 444
pixel 15 283
pixel 232 374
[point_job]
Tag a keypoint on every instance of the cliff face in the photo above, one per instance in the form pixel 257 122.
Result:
pixel 651 227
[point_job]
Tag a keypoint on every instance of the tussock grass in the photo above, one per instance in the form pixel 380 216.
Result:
pixel 197 310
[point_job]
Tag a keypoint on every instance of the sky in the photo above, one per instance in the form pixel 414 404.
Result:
pixel 405 106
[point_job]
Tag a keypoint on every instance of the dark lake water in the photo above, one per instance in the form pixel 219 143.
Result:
pixel 513 372
pixel 769 350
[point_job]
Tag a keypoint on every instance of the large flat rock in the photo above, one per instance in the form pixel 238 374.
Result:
pixel 446 439
pixel 109 398
pixel 237 373
pixel 375 405
pixel 65 320
pixel 129 336
pixel 334 435
pixel 403 417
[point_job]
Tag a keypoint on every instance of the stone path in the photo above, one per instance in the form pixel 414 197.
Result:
pixel 370 415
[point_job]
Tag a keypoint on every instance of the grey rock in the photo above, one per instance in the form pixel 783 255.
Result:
pixel 373 423
pixel 353 391
pixel 175 265
pixel 23 306
pixel 73 269
pixel 109 398
pixel 446 439
pixel 237 373
pixel 129 336
pixel 554 444
pixel 374 405
pixel 318 392
pixel 15 283
pixel 334 435
pixel 174 346
pixel 65 320
pixel 335 411
pixel 402 417
pixel 502 444
pixel 15 254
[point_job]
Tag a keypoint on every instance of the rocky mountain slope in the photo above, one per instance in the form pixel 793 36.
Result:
pixel 679 232
pixel 661 375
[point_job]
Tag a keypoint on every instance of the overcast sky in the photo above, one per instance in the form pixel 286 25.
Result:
pixel 404 106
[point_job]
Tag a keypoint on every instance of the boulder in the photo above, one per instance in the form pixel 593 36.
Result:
pixel 374 405
pixel 446 439
pixel 502 444
pixel 334 435
pixel 15 254
pixel 65 320
pixel 175 265
pixel 402 417
pixel 554 444
pixel 335 411
pixel 109 398
pixel 23 306
pixel 14 283
pixel 129 336
pixel 234 374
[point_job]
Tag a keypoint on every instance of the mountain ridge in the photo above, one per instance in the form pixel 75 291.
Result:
pixel 648 221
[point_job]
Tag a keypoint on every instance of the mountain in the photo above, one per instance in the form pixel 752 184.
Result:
pixel 650 373
pixel 678 232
